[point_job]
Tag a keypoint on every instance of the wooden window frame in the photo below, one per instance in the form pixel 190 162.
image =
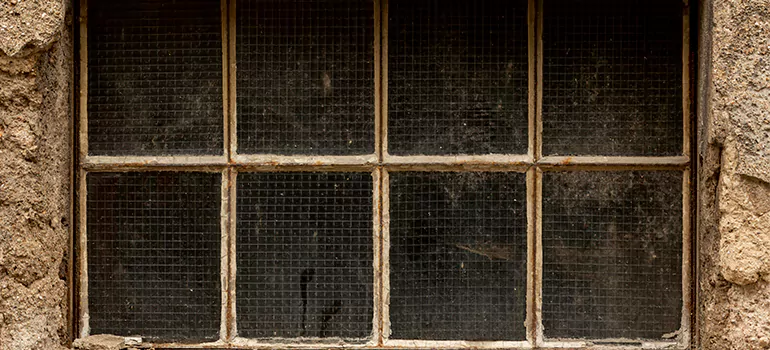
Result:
pixel 380 164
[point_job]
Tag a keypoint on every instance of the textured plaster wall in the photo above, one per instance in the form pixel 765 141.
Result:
pixel 35 150
pixel 734 189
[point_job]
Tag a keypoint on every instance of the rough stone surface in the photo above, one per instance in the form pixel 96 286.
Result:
pixel 734 189
pixel 28 26
pixel 35 149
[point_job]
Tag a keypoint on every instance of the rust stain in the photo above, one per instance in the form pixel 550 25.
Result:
pixel 566 161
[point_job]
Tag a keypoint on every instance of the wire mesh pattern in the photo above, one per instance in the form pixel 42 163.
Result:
pixel 458 256
pixel 154 255
pixel 305 77
pixel 457 77
pixel 304 255
pixel 612 254
pixel 612 77
pixel 155 78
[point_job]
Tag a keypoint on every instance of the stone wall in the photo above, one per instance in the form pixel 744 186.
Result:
pixel 734 189
pixel 35 167
pixel 733 237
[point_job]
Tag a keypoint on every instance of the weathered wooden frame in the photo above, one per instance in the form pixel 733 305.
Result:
pixel 380 164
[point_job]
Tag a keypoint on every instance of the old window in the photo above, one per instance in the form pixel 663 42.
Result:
pixel 391 173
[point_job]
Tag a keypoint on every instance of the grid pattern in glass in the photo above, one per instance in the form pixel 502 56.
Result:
pixel 612 77
pixel 305 77
pixel 154 255
pixel 612 254
pixel 155 78
pixel 458 255
pixel 304 255
pixel 457 77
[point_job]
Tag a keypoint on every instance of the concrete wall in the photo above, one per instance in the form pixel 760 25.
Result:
pixel 35 154
pixel 35 171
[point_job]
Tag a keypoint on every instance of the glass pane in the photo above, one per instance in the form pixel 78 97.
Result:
pixel 458 256
pixel 304 255
pixel 154 255
pixel 155 78
pixel 612 254
pixel 612 77
pixel 305 77
pixel 457 77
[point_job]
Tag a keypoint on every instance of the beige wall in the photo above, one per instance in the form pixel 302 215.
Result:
pixel 734 189
pixel 35 149
pixel 733 192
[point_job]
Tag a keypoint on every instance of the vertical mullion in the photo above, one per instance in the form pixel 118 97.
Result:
pixel 82 282
pixel 537 290
pixel 377 261
pixel 687 301
pixel 231 118
pixel 224 266
pixel 532 113
pixel 686 98
pixel 83 84
pixel 385 256
pixel 225 78
pixel 535 176
pixel 378 126
pixel 685 330
pixel 381 87
pixel 229 259
pixel 383 80
pixel 531 322
pixel 537 7
pixel 84 326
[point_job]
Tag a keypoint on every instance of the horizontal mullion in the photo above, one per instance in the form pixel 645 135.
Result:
pixel 488 162
pixel 303 160
pixel 607 344
pixel 394 163
pixel 614 162
pixel 303 343
pixel 320 343
pixel 123 163
pixel 456 344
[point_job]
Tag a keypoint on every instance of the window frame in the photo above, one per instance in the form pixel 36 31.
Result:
pixel 380 164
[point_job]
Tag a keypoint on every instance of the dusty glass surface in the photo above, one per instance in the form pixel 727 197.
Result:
pixel 612 77
pixel 155 78
pixel 458 256
pixel 304 254
pixel 305 78
pixel 154 255
pixel 457 77
pixel 612 254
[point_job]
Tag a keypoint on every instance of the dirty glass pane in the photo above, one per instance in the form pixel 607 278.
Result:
pixel 305 76
pixel 304 255
pixel 612 254
pixel 612 77
pixel 154 77
pixel 457 77
pixel 154 255
pixel 458 256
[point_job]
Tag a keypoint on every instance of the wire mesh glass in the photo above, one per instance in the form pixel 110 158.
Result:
pixel 155 78
pixel 458 256
pixel 305 77
pixel 457 77
pixel 612 77
pixel 154 242
pixel 612 254
pixel 304 254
